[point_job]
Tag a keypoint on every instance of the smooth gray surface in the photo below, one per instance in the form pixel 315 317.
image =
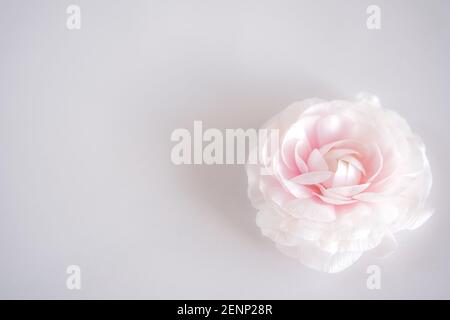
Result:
pixel 85 124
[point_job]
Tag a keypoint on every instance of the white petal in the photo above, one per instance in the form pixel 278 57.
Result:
pixel 346 175
pixel 303 231
pixel 419 218
pixel 385 212
pixel 387 246
pixel 320 260
pixel 270 222
pixel 268 219
pixel 311 209
pixel 354 162
pixel 361 243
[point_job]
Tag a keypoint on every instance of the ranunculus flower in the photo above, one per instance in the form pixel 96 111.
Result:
pixel 344 177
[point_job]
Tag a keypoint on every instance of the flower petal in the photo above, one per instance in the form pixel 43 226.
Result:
pixel 350 190
pixel 387 246
pixel 312 177
pixel 320 260
pixel 335 201
pixel 301 165
pixel 316 162
pixel 419 218
pixel 311 209
pixel 369 197
pixel 354 162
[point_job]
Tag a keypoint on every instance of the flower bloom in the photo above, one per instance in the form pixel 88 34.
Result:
pixel 344 177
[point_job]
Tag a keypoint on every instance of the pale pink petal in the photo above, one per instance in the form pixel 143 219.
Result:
pixel 316 161
pixel 288 153
pixel 339 153
pixel 350 190
pixel 297 190
pixel 312 177
pixel 301 165
pixel 335 201
pixel 281 170
pixel 298 137
pixel 273 191
pixel 284 174
pixel 330 194
pixel 369 197
pixel 329 129
pixel 343 144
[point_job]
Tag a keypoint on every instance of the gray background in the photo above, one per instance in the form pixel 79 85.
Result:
pixel 85 124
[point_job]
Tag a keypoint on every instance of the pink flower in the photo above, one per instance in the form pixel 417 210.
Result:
pixel 344 177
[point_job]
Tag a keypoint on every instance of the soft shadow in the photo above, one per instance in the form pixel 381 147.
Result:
pixel 238 105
